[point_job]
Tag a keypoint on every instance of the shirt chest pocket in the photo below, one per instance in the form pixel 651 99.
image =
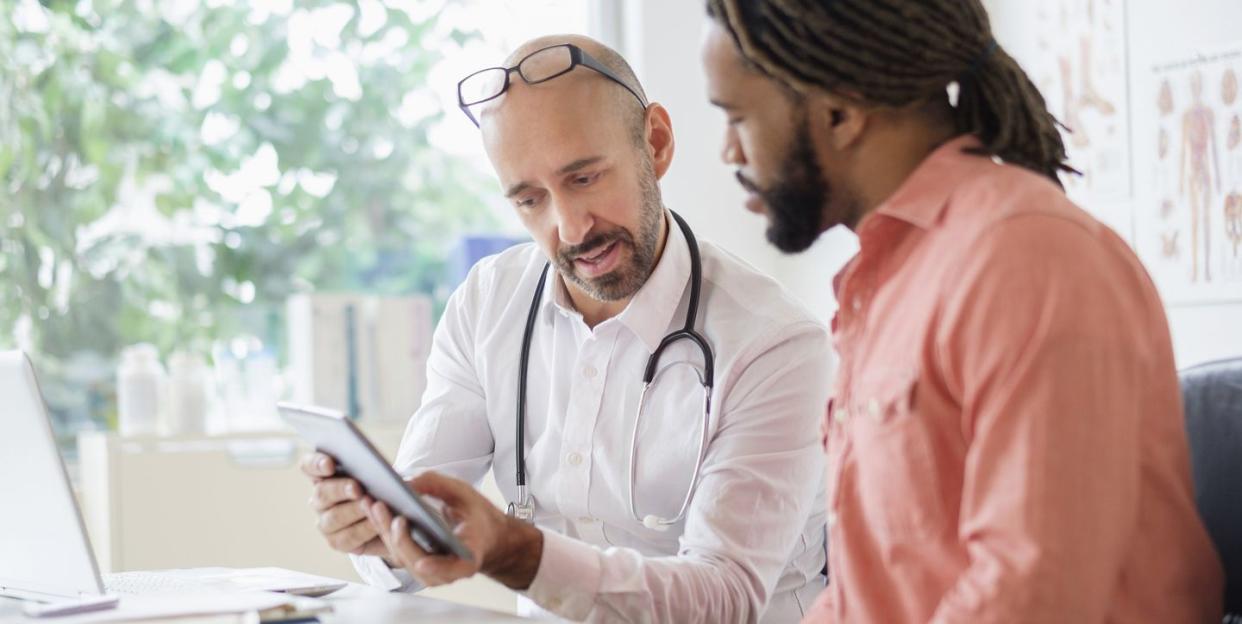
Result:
pixel 898 487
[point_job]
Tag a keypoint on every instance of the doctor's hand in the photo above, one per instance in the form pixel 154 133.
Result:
pixel 338 502
pixel 506 549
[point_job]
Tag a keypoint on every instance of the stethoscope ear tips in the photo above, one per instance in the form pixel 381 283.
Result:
pixel 654 523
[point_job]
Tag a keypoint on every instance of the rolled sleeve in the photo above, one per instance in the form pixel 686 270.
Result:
pixel 567 582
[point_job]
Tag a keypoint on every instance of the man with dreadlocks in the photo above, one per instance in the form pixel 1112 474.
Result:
pixel 1005 440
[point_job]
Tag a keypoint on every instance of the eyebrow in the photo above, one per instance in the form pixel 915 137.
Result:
pixel 721 104
pixel 576 165
pixel 581 163
pixel 516 188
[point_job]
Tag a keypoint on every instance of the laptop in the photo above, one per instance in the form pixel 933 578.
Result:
pixel 45 554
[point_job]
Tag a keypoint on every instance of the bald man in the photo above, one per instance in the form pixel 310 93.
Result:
pixel 706 506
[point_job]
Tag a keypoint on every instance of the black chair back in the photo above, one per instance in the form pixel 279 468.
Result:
pixel 1212 395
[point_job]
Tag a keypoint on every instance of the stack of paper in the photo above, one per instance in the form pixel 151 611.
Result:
pixel 204 608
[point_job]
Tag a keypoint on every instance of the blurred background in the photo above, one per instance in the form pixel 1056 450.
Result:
pixel 175 170
pixel 207 206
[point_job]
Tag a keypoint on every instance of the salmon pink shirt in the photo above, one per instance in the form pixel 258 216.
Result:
pixel 1005 439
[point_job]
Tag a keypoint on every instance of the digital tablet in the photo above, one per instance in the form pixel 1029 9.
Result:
pixel 332 433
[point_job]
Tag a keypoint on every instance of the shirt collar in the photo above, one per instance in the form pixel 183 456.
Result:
pixel 922 197
pixel 558 299
pixel 651 309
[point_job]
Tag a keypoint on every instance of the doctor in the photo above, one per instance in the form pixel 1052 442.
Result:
pixel 691 509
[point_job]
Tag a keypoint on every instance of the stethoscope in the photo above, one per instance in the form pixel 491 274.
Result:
pixel 524 509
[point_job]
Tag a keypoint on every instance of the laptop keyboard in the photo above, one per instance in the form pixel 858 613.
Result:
pixel 134 583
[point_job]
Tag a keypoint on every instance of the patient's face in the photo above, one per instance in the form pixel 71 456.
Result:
pixel 585 190
pixel 769 144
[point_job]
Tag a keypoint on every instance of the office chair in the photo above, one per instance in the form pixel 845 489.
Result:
pixel 1212 395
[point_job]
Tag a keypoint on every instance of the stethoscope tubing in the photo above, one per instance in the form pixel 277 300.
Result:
pixel 524 507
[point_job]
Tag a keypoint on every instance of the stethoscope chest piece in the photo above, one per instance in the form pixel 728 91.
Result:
pixel 522 511
pixel 524 508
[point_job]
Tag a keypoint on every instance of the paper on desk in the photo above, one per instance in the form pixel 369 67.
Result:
pixel 169 606
pixel 244 579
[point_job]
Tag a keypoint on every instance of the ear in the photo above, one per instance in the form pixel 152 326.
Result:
pixel 660 143
pixel 840 121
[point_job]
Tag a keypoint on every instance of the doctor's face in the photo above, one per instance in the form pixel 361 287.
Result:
pixel 571 164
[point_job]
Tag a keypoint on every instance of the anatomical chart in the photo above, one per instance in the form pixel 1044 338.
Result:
pixel 1079 64
pixel 1188 219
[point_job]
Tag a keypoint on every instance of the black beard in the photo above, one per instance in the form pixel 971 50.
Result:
pixel 796 201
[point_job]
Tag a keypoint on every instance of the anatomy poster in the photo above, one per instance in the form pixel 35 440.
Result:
pixel 1188 219
pixel 1078 61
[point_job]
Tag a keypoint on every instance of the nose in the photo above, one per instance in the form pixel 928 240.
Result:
pixel 572 223
pixel 731 151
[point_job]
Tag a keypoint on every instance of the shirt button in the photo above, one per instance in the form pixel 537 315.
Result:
pixel 832 518
pixel 841 415
pixel 574 459
pixel 857 303
pixel 873 408
pixel 589 371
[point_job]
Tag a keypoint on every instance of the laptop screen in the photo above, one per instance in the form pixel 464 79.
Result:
pixel 43 545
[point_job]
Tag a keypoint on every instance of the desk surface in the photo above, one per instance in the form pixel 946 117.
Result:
pixel 363 604
pixel 356 604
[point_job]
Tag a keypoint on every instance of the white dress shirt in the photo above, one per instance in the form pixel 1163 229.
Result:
pixel 752 541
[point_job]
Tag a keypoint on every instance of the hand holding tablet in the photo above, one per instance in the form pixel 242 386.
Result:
pixel 332 433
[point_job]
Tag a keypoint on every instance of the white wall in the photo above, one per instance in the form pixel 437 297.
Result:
pixel 661 39
pixel 662 43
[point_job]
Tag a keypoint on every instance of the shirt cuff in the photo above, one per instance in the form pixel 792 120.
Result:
pixel 376 573
pixel 568 578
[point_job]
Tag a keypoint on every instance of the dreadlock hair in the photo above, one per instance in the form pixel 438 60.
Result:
pixel 897 53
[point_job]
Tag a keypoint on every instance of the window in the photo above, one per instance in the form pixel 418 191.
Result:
pixel 173 170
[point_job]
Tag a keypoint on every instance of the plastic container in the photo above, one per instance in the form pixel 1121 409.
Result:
pixel 188 379
pixel 140 389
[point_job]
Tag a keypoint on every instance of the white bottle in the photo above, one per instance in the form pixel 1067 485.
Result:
pixel 187 395
pixel 140 390
pixel 262 390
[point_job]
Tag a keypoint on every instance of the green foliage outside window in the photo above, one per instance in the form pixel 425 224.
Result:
pixel 170 172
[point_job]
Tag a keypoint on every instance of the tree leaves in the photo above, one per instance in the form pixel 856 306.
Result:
pixel 104 165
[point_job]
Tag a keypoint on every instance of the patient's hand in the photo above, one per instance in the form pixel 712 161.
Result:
pixel 339 501
pixel 504 548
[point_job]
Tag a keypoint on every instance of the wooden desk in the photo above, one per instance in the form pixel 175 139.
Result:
pixel 356 604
